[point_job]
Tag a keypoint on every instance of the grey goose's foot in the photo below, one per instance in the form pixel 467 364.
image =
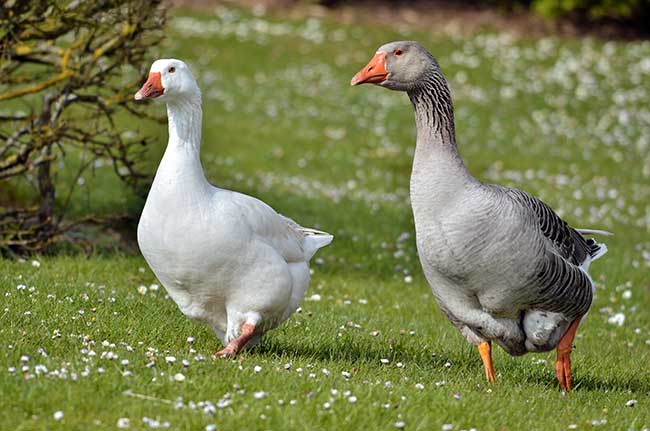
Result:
pixel 563 362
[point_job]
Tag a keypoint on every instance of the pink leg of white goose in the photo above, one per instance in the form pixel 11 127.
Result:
pixel 235 346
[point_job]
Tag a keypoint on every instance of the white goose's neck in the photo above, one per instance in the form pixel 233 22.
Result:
pixel 185 121
pixel 439 173
pixel 181 164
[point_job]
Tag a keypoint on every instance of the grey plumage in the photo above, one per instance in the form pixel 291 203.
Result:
pixel 502 264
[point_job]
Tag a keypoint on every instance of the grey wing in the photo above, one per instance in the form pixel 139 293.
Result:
pixel 565 240
pixel 562 286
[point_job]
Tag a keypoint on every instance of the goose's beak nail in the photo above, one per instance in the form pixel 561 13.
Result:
pixel 374 72
pixel 151 89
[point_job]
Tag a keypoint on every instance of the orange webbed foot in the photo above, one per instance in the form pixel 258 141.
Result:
pixel 563 362
pixel 485 350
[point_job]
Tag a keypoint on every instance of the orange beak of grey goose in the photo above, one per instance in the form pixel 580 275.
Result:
pixel 151 89
pixel 374 72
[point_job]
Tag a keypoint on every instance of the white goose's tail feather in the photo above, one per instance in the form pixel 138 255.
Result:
pixel 313 238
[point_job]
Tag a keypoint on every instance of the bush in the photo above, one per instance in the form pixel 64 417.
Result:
pixel 60 93
pixel 636 12
pixel 592 9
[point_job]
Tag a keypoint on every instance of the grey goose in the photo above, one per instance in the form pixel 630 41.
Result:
pixel 501 264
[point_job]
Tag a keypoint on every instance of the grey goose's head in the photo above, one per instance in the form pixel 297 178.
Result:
pixel 400 66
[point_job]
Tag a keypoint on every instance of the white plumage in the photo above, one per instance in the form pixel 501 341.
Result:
pixel 227 259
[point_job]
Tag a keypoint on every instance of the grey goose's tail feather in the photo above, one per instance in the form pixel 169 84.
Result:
pixel 594 232
pixel 596 249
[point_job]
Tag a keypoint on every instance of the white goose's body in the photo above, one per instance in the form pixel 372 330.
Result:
pixel 225 258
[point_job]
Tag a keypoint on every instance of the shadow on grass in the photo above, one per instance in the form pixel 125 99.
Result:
pixel 368 353
pixel 582 379
pixel 465 362
pixel 611 383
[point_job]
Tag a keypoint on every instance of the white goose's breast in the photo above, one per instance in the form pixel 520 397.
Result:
pixel 182 249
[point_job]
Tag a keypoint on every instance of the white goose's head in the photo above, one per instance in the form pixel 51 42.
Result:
pixel 169 79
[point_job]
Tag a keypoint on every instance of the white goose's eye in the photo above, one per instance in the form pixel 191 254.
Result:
pixel 172 69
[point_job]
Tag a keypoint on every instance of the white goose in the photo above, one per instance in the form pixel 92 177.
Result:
pixel 227 259
pixel 501 264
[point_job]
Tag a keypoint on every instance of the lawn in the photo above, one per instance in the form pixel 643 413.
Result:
pixel 93 343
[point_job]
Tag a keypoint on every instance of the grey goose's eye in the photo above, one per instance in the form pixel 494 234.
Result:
pixel 398 52
pixel 172 69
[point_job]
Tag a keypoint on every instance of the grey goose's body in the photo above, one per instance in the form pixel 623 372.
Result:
pixel 501 264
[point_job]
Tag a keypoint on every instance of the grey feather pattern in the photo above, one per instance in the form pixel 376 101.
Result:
pixel 566 241
pixel 502 264
pixel 562 287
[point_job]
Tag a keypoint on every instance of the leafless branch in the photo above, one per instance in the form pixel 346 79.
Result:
pixel 61 61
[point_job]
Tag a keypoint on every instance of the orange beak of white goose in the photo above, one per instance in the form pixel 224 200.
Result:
pixel 151 89
pixel 374 73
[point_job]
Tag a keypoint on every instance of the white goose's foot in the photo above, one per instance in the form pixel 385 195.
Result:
pixel 226 352
pixel 236 345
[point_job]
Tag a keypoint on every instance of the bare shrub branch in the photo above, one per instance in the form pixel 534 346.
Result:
pixel 67 70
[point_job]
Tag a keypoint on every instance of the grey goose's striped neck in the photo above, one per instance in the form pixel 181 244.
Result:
pixel 434 111
pixel 436 154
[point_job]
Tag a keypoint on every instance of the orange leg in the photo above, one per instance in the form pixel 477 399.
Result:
pixel 485 349
pixel 563 362
pixel 235 346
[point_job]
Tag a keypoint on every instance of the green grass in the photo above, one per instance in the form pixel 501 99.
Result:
pixel 565 119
